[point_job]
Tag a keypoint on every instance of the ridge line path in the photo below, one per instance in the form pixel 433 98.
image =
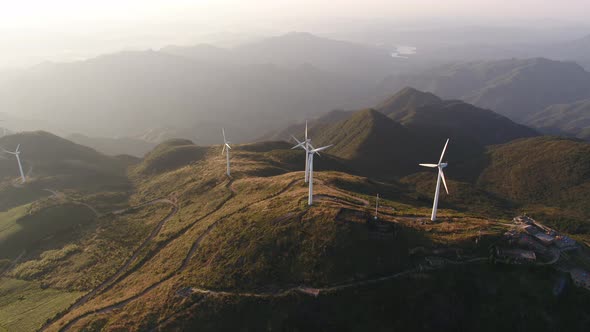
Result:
pixel 182 267
pixel 130 260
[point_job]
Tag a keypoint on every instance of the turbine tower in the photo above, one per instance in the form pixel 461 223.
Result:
pixel 226 149
pixel 377 207
pixel 305 145
pixel 441 175
pixel 310 154
pixel 20 166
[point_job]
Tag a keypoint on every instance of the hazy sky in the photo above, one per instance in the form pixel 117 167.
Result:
pixel 33 31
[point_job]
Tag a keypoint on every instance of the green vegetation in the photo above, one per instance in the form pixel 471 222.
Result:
pixel 545 171
pixel 26 305
pixel 41 229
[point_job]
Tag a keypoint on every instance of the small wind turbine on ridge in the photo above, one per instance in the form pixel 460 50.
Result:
pixel 377 207
pixel 20 166
pixel 441 175
pixel 226 149
pixel 305 145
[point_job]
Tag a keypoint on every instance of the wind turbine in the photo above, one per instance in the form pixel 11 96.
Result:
pixel 441 175
pixel 20 166
pixel 305 145
pixel 310 154
pixel 226 149
pixel 377 207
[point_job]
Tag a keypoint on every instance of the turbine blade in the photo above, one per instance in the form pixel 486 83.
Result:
pixel 300 145
pixel 442 175
pixel 223 150
pixel 17 148
pixel 223 132
pixel 306 130
pixel 296 140
pixel 320 149
pixel 229 147
pixel 443 151
pixel 429 165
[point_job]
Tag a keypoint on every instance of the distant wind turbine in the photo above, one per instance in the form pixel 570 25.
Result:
pixel 20 166
pixel 310 154
pixel 305 145
pixel 441 175
pixel 377 207
pixel 226 149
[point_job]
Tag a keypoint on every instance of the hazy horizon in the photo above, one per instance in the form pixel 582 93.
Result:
pixel 33 32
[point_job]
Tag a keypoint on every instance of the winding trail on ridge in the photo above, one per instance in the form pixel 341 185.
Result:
pixel 204 234
pixel 185 261
pixel 81 301
pixel 315 292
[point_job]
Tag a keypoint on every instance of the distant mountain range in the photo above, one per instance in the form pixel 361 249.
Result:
pixel 257 86
pixel 194 91
pixel 518 89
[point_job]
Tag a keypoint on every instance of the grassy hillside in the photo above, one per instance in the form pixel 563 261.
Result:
pixel 24 305
pixel 28 231
pixel 543 173
pixel 206 249
pixel 52 162
pixel 565 119
pixel 372 142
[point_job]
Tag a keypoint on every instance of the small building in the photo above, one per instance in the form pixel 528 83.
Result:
pixel 514 256
pixel 580 278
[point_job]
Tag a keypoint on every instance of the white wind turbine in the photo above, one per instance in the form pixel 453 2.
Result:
pixel 226 149
pixel 305 145
pixel 20 166
pixel 441 175
pixel 310 154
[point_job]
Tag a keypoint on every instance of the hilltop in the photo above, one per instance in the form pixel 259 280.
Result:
pixel 405 101
pixel 424 112
pixel 371 142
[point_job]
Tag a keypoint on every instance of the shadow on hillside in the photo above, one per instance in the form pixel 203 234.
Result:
pixel 49 228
